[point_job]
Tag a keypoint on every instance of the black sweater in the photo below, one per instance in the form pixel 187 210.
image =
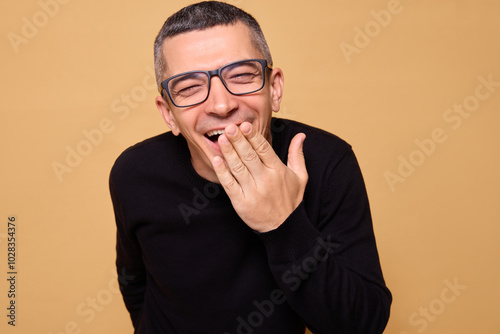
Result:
pixel 188 264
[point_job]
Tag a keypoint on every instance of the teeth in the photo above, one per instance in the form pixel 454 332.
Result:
pixel 214 132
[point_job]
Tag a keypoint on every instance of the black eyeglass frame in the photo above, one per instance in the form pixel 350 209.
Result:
pixel 216 72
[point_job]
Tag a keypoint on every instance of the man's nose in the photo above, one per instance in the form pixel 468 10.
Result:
pixel 220 101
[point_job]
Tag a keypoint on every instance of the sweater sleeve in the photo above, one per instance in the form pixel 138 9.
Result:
pixel 329 268
pixel 129 264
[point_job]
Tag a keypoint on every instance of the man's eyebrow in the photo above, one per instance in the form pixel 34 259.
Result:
pixel 250 64
pixel 186 76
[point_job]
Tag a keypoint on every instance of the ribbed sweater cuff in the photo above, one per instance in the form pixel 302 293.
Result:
pixel 292 239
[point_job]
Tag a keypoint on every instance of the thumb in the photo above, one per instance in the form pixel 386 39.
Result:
pixel 296 161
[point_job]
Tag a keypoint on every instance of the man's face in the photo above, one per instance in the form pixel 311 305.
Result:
pixel 208 50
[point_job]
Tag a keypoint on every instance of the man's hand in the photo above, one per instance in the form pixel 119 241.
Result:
pixel 263 191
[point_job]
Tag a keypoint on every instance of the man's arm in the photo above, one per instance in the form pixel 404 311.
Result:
pixel 129 265
pixel 329 270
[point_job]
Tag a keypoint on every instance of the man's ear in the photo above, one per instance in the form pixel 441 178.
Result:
pixel 167 114
pixel 276 82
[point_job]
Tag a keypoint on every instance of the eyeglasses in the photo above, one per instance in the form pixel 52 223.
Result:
pixel 192 88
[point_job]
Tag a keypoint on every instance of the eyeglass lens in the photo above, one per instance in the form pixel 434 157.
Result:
pixel 239 78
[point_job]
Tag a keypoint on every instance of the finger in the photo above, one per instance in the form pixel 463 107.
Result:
pixel 226 179
pixel 296 160
pixel 236 166
pixel 260 145
pixel 244 149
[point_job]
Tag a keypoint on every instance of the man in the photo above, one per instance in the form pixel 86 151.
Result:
pixel 234 222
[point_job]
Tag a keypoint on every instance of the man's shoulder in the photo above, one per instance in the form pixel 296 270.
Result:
pixel 318 141
pixel 148 146
pixel 150 150
pixel 315 132
pixel 328 157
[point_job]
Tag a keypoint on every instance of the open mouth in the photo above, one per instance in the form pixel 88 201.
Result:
pixel 214 135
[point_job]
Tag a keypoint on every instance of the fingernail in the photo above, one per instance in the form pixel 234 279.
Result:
pixel 217 160
pixel 223 140
pixel 231 130
pixel 246 128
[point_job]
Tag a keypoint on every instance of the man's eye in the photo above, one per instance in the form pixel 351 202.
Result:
pixel 189 90
pixel 243 77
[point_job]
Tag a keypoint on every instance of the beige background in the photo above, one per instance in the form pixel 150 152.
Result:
pixel 85 65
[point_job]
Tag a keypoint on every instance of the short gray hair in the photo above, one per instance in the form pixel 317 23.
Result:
pixel 203 15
